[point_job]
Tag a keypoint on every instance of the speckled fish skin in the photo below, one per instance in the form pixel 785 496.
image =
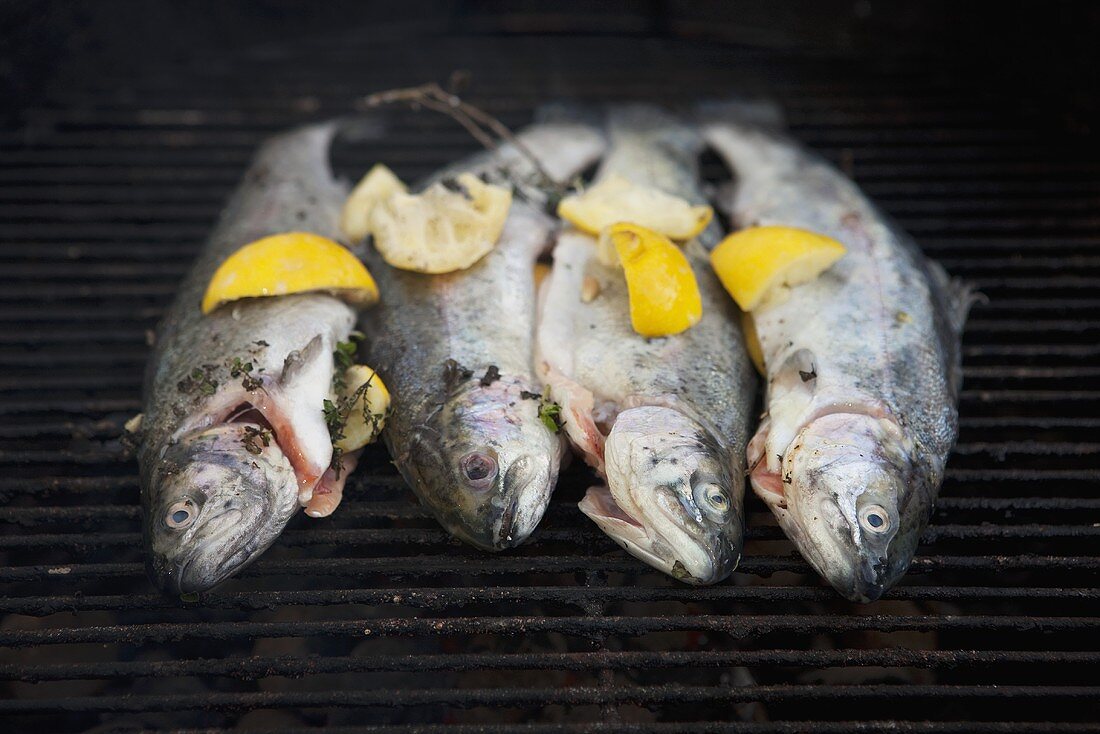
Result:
pixel 665 420
pixel 235 501
pixel 862 367
pixel 455 352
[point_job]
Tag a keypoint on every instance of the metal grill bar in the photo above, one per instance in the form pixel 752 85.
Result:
pixel 666 694
pixel 260 667
pixel 440 598
pixel 738 626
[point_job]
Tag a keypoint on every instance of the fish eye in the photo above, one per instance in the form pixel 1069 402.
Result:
pixel 874 519
pixel 713 501
pixel 478 469
pixel 180 515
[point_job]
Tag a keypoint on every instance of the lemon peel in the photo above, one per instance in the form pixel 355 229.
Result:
pixel 664 295
pixel 758 265
pixel 441 230
pixel 293 262
pixel 617 199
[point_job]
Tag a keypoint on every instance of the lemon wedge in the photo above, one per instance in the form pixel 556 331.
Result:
pixel 369 404
pixel 377 186
pixel 664 297
pixel 295 262
pixel 440 230
pixel 758 265
pixel 541 271
pixel 752 342
pixel 616 199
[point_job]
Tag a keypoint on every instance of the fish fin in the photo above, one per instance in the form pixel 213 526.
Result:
pixel 723 197
pixel 790 398
pixel 758 112
pixel 663 129
pixel 295 363
pixel 958 294
pixel 567 111
pixel 578 410
pixel 330 490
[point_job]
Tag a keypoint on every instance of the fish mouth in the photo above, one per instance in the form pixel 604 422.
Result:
pixel 202 570
pixel 640 539
pixel 527 486
pixel 261 408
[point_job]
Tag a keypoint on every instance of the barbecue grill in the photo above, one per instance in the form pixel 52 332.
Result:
pixel 124 133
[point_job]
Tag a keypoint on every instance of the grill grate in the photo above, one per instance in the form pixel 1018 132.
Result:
pixel 374 620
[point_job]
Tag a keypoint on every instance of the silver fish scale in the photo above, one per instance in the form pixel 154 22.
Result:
pixel 705 369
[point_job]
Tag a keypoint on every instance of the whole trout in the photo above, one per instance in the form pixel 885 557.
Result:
pixel 664 420
pixel 234 437
pixel 862 366
pixel 455 351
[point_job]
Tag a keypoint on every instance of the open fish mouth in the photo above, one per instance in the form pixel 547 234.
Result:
pixel 632 533
pixel 269 423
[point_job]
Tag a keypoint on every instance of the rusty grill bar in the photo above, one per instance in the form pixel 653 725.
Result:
pixel 374 620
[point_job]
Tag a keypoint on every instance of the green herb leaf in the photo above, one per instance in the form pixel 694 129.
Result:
pixel 550 412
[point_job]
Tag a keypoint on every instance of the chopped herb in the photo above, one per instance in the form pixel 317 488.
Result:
pixel 345 354
pixel 255 439
pixel 491 375
pixel 261 343
pixel 240 368
pixel 454 373
pixel 550 412
pixel 336 418
pixel 807 376
pixel 528 395
pixel 200 380
pixel 344 358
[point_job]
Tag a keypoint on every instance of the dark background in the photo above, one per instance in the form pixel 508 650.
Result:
pixel 124 127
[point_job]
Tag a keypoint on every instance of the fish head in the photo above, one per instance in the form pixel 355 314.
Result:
pixel 220 497
pixel 672 499
pixel 846 502
pixel 484 462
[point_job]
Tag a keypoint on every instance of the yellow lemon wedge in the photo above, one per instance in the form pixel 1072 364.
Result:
pixel 758 265
pixel 664 297
pixel 295 262
pixel 616 199
pixel 752 342
pixel 369 404
pixel 377 186
pixel 441 230
pixel 541 271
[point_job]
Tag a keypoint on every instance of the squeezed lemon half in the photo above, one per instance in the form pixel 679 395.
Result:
pixel 440 230
pixel 617 199
pixel 758 265
pixel 294 262
pixel 377 186
pixel 664 296
pixel 367 414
